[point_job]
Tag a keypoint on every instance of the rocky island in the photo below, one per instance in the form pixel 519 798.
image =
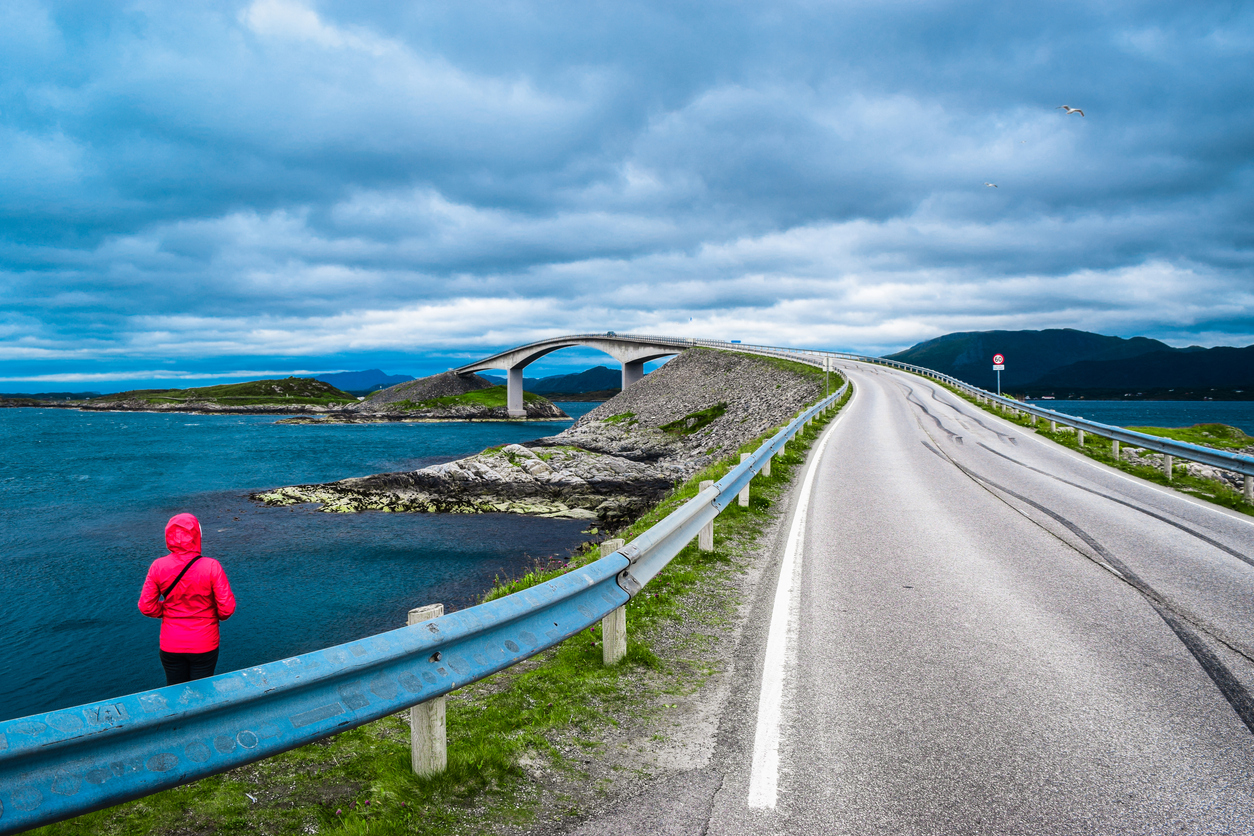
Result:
pixel 613 463
pixel 442 397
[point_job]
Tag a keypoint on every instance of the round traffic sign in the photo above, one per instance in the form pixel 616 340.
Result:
pixel 998 359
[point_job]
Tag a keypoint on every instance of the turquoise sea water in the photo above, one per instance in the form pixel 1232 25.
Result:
pixel 1159 413
pixel 84 498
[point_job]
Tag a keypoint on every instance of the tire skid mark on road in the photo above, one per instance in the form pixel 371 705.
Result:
pixel 1174 616
pixel 1233 691
pixel 1244 558
pixel 909 390
pixel 953 436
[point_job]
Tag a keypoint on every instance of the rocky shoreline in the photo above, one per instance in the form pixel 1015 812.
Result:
pixel 612 464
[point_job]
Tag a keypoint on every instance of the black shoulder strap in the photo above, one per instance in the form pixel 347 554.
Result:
pixel 170 588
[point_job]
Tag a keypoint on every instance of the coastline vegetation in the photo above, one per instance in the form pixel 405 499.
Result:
pixel 286 391
pixel 495 396
pixel 554 709
pixel 694 422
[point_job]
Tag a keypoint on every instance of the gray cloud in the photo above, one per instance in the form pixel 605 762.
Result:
pixel 279 179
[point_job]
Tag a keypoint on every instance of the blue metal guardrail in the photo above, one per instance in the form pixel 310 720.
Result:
pixel 75 760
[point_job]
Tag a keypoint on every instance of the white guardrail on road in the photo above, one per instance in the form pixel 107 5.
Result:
pixel 71 761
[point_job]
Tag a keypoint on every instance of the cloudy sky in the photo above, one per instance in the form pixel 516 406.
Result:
pixel 213 190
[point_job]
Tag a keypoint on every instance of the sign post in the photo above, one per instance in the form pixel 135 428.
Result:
pixel 999 363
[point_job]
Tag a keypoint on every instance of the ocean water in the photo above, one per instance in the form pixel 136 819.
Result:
pixel 84 498
pixel 1159 413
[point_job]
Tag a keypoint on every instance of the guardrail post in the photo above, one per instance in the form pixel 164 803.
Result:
pixel 1053 426
pixel 1079 437
pixel 1249 489
pixel 1034 420
pixel 743 499
pixel 766 465
pixel 428 737
pixel 705 540
pixel 1167 463
pixel 1114 448
pixel 614 625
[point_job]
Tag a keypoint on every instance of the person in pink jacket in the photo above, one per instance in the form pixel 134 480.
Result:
pixel 190 594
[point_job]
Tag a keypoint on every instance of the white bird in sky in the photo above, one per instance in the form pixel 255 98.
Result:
pixel 994 185
pixel 1070 110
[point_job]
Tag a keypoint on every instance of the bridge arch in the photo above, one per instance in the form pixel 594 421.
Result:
pixel 632 352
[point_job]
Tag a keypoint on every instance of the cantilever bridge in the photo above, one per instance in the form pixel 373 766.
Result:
pixel 632 351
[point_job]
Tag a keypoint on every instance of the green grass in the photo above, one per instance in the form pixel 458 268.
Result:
pixel 254 392
pixel 493 397
pixel 1221 436
pixel 564 695
pixel 695 421
pixel 625 418
pixel 1100 449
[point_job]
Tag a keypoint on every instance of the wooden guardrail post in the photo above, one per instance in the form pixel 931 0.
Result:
pixel 705 540
pixel 614 625
pixel 1168 461
pixel 428 737
pixel 743 500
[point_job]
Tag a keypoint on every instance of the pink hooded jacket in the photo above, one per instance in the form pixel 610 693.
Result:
pixel 190 616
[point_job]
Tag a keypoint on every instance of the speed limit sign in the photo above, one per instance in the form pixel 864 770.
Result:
pixel 999 362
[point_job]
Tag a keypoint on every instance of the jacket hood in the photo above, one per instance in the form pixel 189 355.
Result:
pixel 182 534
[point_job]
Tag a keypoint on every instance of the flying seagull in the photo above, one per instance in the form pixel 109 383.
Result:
pixel 1070 110
pixel 994 185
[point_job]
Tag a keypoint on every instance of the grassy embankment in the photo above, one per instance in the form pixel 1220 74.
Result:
pixel 1099 449
pixel 554 707
pixel 493 397
pixel 291 390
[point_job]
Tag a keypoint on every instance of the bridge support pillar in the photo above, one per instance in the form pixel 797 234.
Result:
pixel 514 393
pixel 1249 489
pixel 632 371
pixel 614 625
pixel 705 540
pixel 1114 449
pixel 428 737
pixel 743 499
pixel 1168 461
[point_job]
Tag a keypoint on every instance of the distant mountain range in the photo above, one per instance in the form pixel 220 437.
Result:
pixel 600 379
pixel 1070 363
pixel 363 383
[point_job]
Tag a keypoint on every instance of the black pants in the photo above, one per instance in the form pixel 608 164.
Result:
pixel 184 667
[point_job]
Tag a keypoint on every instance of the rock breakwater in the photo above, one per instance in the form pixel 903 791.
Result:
pixel 614 463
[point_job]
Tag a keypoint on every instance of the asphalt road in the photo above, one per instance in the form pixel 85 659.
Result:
pixel 987 634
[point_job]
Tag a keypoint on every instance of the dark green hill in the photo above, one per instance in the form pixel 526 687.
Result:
pixel 1029 355
pixel 1198 369
pixel 597 379
pixel 290 390
pixel 1070 363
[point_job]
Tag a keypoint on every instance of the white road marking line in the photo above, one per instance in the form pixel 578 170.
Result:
pixel 764 774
